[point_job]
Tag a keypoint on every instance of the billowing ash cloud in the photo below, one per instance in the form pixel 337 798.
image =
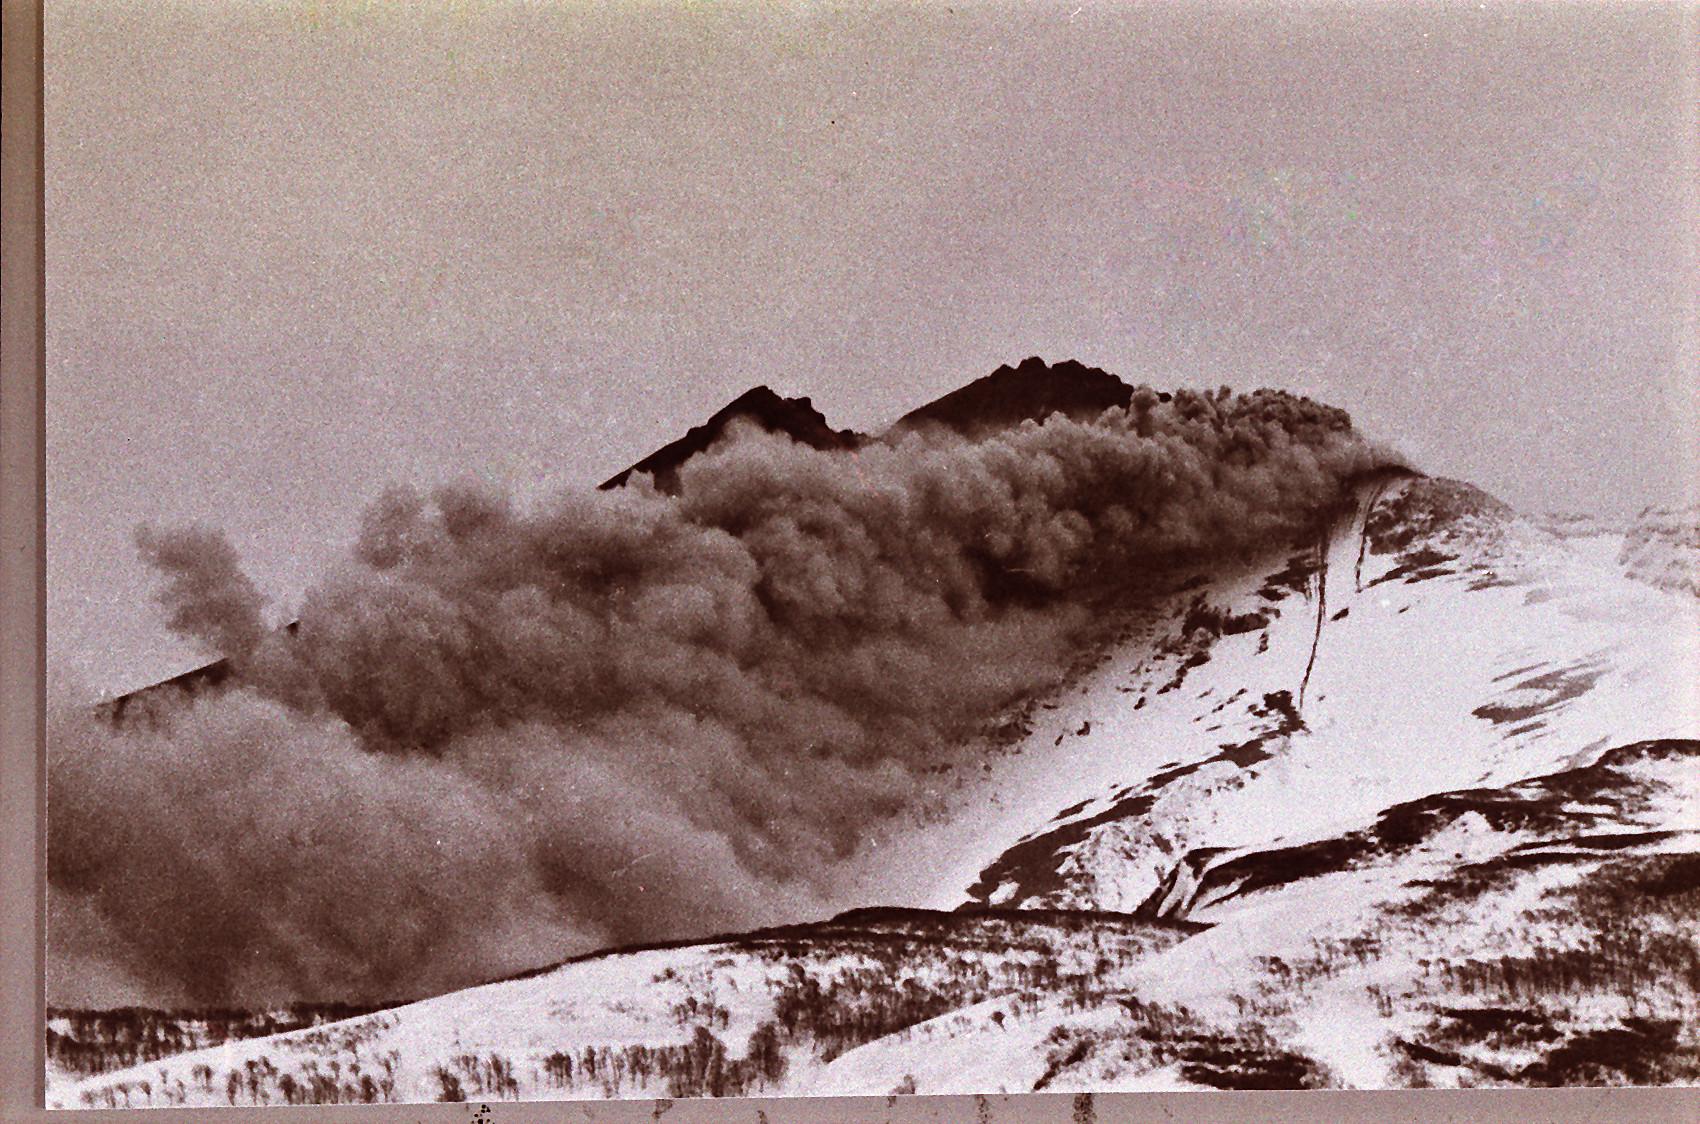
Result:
pixel 207 597
pixel 502 736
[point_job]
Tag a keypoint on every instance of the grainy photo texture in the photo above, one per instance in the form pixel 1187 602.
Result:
pixel 646 550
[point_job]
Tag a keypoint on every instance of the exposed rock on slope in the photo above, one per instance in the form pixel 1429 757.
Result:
pixel 1662 548
pixel 1033 390
pixel 797 418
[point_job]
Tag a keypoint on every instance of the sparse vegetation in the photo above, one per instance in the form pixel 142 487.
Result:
pixel 95 1042
pixel 1153 1035
pixel 335 1072
pixel 1605 990
pixel 701 1067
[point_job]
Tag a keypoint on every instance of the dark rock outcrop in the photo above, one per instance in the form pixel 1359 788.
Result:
pixel 1011 395
pixel 797 418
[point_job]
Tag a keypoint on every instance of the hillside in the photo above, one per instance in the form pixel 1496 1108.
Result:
pixel 1662 547
pixel 1412 802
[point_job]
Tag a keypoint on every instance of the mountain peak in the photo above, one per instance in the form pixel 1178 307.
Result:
pixel 760 396
pixel 797 418
pixel 1010 395
pixel 1032 389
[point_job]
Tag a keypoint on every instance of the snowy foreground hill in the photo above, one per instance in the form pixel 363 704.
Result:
pixel 1415 804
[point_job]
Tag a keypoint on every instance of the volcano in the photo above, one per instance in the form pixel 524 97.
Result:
pixel 1409 797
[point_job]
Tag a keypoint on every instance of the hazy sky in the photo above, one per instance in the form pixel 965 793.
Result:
pixel 298 251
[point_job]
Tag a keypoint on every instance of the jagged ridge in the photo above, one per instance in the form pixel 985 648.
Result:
pixel 797 418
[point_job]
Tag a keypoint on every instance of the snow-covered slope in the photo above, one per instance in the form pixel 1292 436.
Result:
pixel 1662 547
pixel 1414 803
pixel 1463 650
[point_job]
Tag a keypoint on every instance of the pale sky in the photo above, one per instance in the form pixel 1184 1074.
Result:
pixel 298 251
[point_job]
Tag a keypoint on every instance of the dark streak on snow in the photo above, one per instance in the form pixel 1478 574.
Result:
pixel 1556 687
pixel 1034 866
pixel 1540 804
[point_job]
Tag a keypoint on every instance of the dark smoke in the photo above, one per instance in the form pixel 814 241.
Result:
pixel 500 736
pixel 207 597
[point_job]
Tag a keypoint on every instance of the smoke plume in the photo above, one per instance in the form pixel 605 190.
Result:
pixel 503 736
pixel 207 597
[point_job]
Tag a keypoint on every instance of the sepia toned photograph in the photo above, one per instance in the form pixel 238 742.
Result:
pixel 654 551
